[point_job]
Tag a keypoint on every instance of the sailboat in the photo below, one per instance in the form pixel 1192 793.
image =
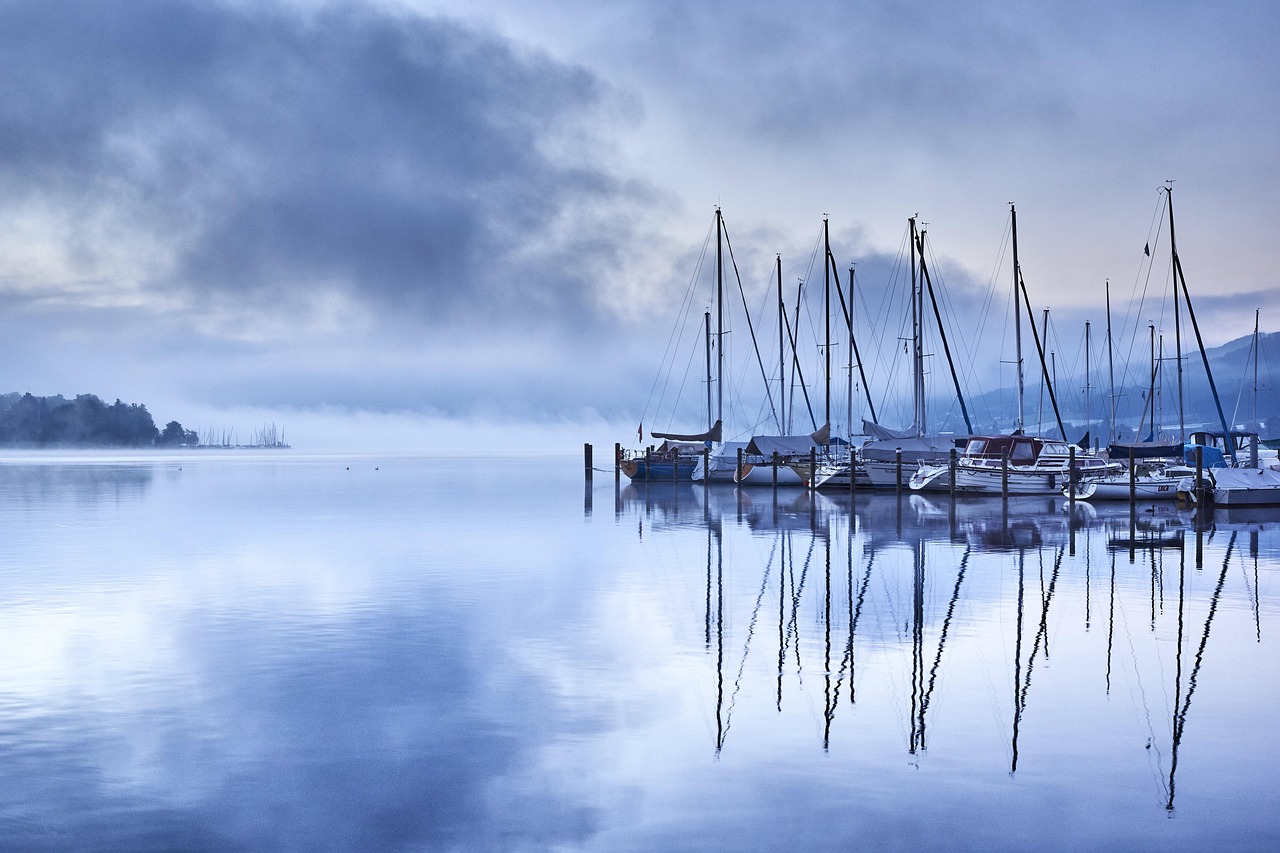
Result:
pixel 890 457
pixel 1161 480
pixel 1017 464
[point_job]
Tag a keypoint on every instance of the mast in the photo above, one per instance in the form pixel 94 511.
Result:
pixel 1177 322
pixel 1088 408
pixel 719 317
pixel 917 359
pixel 853 341
pixel 707 326
pixel 849 396
pixel 1017 313
pixel 782 351
pixel 1255 367
pixel 826 317
pixel 1186 296
pixel 1111 369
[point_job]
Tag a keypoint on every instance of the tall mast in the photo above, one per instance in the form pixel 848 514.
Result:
pixel 826 313
pixel 1017 313
pixel 917 415
pixel 1111 369
pixel 707 325
pixel 1177 321
pixel 1088 408
pixel 1255 367
pixel 849 401
pixel 782 351
pixel 719 318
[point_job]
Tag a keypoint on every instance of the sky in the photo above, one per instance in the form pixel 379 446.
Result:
pixel 419 224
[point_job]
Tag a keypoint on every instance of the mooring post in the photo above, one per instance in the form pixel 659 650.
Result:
pixel 813 467
pixel 1200 490
pixel 737 472
pixel 1004 475
pixel 617 464
pixel 853 470
pixel 776 462
pixel 1071 482
pixel 586 460
pixel 951 469
pixel 897 456
pixel 648 462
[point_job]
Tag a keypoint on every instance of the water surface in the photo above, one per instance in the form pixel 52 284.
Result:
pixel 220 651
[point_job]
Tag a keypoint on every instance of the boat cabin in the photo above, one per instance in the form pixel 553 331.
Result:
pixel 1022 449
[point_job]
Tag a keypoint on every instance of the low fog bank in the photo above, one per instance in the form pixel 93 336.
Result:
pixel 335 430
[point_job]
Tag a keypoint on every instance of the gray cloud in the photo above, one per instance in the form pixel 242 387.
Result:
pixel 406 163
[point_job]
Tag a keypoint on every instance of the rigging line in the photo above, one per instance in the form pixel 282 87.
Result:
pixel 1158 226
pixel 681 320
pixel 763 374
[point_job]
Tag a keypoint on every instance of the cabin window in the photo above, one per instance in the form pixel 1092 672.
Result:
pixel 1021 452
pixel 975 447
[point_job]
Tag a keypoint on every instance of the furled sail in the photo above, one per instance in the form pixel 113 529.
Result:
pixel 712 434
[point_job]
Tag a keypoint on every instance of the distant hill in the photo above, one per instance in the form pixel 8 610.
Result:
pixel 86 421
pixel 1233 373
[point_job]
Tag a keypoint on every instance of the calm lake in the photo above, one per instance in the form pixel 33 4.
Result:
pixel 218 651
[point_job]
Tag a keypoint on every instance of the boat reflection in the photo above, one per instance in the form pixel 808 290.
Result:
pixel 873 593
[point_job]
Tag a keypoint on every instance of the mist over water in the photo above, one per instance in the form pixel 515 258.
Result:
pixel 290 651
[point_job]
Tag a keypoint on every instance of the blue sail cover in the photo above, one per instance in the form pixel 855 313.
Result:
pixel 1211 456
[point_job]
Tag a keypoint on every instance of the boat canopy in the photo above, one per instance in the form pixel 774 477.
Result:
pixel 913 449
pixel 785 445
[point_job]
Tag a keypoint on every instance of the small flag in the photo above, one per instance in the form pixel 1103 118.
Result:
pixel 640 433
pixel 1146 250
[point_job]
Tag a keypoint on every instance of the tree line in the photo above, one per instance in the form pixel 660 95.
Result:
pixel 86 421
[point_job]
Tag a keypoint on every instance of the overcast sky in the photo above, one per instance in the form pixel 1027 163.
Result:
pixel 490 212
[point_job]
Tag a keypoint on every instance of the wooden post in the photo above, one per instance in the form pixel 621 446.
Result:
pixel 706 466
pixel 1200 491
pixel 1071 482
pixel 853 470
pixel 776 462
pixel 951 466
pixel 617 464
pixel 897 455
pixel 813 467
pixel 648 460
pixel 1004 475
pixel 737 472
pixel 586 460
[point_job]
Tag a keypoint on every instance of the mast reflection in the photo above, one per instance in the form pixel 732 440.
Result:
pixel 904 595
